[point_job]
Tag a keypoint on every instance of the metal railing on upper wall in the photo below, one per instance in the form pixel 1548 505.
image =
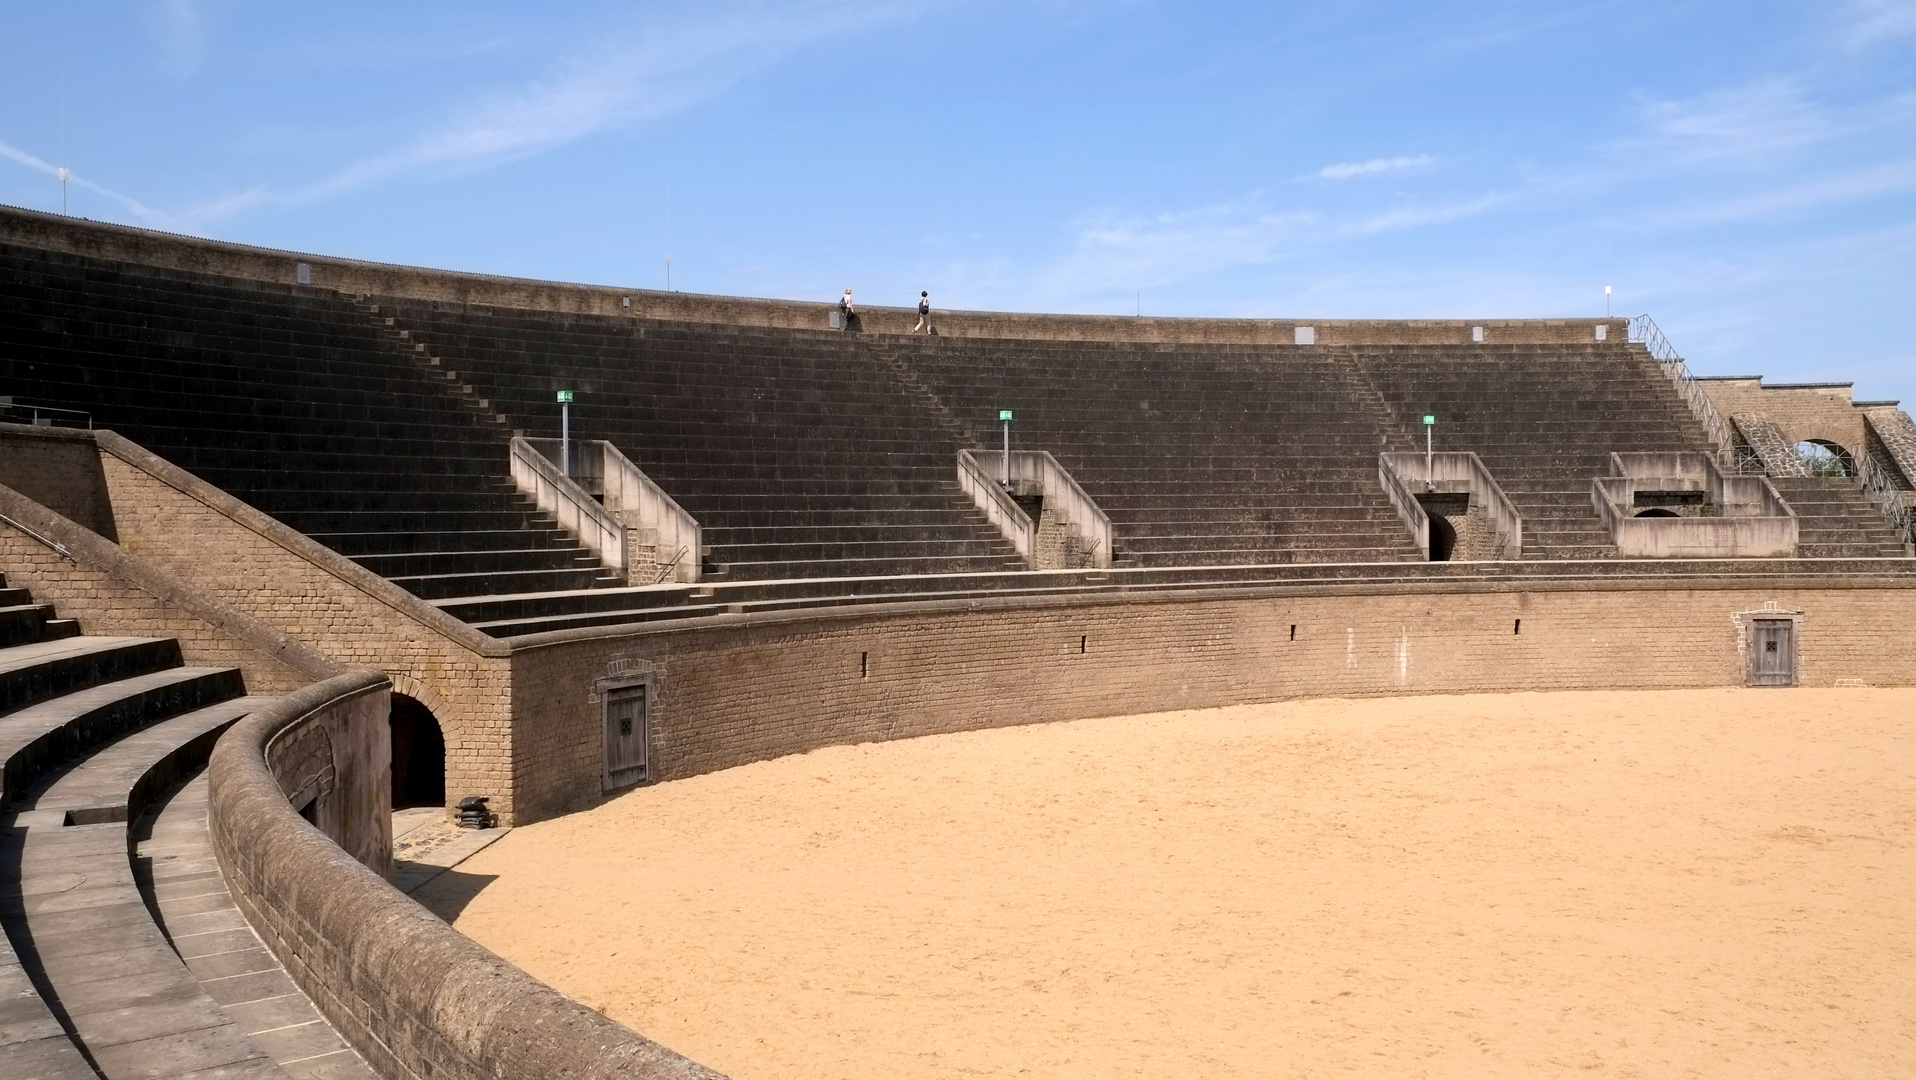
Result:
pixel 1880 488
pixel 45 415
pixel 1644 331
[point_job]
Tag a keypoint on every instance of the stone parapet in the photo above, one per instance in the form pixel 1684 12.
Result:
pixel 416 998
pixel 356 277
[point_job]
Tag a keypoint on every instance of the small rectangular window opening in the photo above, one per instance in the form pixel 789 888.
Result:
pixel 1603 332
pixel 1304 335
pixel 303 273
pixel 864 665
pixel 1477 333
pixel 1293 631
pixel 1082 638
pixel 1517 627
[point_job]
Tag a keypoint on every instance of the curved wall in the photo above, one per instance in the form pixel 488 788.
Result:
pixel 358 276
pixel 416 998
pixel 742 688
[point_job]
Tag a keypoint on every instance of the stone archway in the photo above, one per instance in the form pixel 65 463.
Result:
pixel 418 755
pixel 1443 538
pixel 1825 457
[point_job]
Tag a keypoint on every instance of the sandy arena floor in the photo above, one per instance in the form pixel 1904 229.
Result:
pixel 1681 884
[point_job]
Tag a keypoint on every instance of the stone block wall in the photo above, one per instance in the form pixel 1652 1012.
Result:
pixel 356 276
pixel 1822 412
pixel 60 470
pixel 744 689
pixel 246 560
pixel 109 591
pixel 417 999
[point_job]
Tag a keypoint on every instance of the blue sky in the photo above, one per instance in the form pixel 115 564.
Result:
pixel 1745 172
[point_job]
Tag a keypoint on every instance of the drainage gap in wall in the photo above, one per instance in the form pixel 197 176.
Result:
pixel 1293 631
pixel 1517 627
pixel 1082 638
pixel 864 665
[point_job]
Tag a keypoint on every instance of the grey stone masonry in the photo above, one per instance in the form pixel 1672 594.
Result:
pixel 182 883
pixel 1778 456
pixel 1897 434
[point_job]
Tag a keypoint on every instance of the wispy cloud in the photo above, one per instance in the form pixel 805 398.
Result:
pixel 1871 21
pixel 632 77
pixel 179 31
pixel 1112 252
pixel 132 205
pixel 1348 169
pixel 1888 179
pixel 641 76
pixel 1756 122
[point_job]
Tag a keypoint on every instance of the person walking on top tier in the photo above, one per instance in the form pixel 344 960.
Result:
pixel 845 311
pixel 924 313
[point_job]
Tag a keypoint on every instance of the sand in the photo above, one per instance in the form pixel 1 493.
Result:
pixel 1673 884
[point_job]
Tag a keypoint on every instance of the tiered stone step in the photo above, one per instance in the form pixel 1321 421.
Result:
pixel 92 732
pixel 1544 419
pixel 290 400
pixel 800 453
pixel 1200 454
pixel 1835 521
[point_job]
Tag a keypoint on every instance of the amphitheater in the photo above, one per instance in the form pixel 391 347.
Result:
pixel 1049 695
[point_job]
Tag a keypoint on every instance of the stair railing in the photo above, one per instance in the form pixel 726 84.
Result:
pixel 1644 331
pixel 1880 489
pixel 58 548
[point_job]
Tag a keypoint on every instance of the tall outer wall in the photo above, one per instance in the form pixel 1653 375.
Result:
pixel 745 688
pixel 144 246
pixel 416 998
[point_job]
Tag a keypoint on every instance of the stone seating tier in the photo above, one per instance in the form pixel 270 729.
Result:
pixel 93 731
pixel 765 438
pixel 286 398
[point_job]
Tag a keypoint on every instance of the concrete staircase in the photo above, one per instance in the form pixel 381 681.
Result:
pixel 294 401
pixel 801 453
pixel 1544 419
pixel 1201 454
pixel 93 732
pixel 1835 521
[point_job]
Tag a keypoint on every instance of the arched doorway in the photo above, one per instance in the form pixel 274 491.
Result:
pixel 1824 458
pixel 419 755
pixel 1443 538
pixel 1657 511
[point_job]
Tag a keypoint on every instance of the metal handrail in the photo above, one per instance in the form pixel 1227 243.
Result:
pixel 1644 331
pixel 8 404
pixel 1882 490
pixel 58 547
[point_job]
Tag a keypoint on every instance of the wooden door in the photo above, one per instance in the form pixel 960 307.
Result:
pixel 1773 652
pixel 626 736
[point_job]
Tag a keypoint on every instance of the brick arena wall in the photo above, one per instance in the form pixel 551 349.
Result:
pixel 109 590
pixel 744 688
pixel 1802 412
pixel 416 998
pixel 151 248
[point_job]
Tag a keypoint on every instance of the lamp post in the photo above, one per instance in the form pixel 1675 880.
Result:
pixel 1430 477
pixel 1004 417
pixel 565 432
pixel 1606 301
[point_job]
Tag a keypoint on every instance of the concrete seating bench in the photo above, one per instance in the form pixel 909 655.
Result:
pixel 94 732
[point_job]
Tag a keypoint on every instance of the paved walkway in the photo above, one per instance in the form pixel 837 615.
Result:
pixel 175 867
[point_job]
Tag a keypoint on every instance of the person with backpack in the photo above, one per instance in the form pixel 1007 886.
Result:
pixel 924 313
pixel 845 311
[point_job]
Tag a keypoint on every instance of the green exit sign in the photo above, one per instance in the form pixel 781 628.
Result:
pixel 1430 419
pixel 565 395
pixel 1004 414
